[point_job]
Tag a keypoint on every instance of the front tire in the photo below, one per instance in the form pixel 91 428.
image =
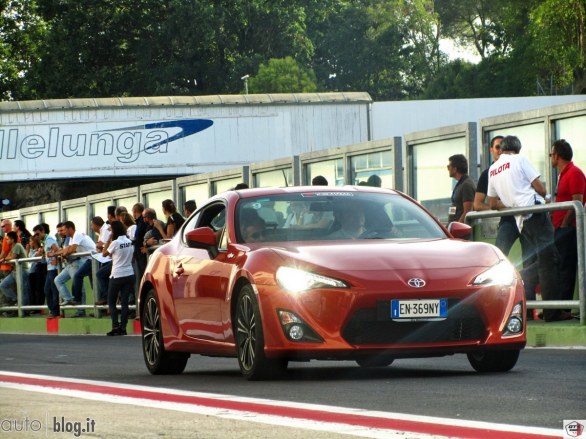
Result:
pixel 493 361
pixel 158 361
pixel 254 365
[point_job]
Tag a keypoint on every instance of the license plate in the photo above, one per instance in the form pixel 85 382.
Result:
pixel 421 309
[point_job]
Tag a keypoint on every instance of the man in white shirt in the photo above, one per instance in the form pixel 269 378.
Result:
pixel 514 182
pixel 78 243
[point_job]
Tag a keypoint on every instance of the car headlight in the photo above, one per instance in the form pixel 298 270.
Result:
pixel 295 280
pixel 503 273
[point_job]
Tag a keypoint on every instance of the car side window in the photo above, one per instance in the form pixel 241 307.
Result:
pixel 213 216
pixel 191 224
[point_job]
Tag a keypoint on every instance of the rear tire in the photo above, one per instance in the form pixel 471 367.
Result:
pixel 158 361
pixel 493 361
pixel 254 365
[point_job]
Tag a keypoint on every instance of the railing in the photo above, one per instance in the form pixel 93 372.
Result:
pixel 580 224
pixel 21 309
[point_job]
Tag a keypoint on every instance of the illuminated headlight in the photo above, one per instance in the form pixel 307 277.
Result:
pixel 503 273
pixel 295 280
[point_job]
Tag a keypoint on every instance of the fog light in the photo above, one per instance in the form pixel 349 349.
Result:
pixel 288 317
pixel 514 326
pixel 296 332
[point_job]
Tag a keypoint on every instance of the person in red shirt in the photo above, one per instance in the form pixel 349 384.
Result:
pixel 571 187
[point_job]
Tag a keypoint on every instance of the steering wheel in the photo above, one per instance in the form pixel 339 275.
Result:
pixel 379 233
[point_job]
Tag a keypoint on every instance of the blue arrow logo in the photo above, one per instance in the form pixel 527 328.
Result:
pixel 188 127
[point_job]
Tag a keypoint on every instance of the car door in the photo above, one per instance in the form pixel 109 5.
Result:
pixel 200 281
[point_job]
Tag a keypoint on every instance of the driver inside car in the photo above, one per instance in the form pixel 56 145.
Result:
pixel 351 220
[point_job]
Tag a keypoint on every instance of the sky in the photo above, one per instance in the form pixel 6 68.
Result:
pixel 455 52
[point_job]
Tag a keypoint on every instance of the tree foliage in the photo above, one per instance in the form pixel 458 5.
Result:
pixel 389 48
pixel 283 75
pixel 21 32
pixel 559 41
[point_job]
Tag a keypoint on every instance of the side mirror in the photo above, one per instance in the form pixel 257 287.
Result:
pixel 204 238
pixel 460 230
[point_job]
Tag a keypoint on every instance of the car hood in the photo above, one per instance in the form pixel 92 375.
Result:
pixel 376 255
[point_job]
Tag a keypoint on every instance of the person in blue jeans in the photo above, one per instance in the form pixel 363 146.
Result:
pixel 122 277
pixel 48 247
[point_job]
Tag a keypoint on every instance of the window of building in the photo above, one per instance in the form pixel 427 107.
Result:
pixel 366 167
pixel 154 200
pixel 431 183
pixel 332 170
pixel 277 178
pixel 78 215
pixel 101 209
pixel 50 217
pixel 225 185
pixel 198 192
pixel 573 130
pixel 127 202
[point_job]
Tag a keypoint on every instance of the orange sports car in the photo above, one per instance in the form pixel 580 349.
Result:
pixel 357 273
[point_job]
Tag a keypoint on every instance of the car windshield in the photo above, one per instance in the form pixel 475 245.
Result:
pixel 318 216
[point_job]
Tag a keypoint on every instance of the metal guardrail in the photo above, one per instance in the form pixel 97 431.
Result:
pixel 470 218
pixel 580 236
pixel 21 309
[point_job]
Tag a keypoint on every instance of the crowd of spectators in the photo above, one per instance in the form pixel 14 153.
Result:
pixel 66 259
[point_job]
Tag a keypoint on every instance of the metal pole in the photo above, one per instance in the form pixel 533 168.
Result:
pixel 19 292
pixel 95 285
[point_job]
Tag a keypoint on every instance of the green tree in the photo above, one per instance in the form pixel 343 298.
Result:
pixel 22 30
pixel 492 77
pixel 557 30
pixel 283 75
pixel 490 26
pixel 366 45
pixel 150 47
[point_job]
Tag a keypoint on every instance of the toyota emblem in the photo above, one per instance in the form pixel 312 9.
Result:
pixel 416 282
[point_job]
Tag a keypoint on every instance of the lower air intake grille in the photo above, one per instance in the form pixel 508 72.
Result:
pixel 374 326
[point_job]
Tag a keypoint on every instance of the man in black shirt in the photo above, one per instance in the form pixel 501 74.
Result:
pixel 140 259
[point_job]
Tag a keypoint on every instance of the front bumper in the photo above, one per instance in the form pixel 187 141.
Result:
pixel 355 323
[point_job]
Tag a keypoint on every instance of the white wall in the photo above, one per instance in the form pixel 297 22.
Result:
pixel 399 118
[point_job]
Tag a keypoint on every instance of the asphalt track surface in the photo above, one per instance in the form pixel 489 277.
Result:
pixel 546 387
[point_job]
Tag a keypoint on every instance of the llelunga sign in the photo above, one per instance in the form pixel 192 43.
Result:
pixel 125 144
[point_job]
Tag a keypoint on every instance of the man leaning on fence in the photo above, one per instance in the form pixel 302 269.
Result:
pixel 514 182
pixel 78 243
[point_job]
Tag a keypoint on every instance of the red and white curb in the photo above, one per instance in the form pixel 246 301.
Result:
pixel 356 422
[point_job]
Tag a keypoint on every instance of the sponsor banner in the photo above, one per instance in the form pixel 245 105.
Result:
pixel 104 143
